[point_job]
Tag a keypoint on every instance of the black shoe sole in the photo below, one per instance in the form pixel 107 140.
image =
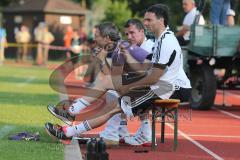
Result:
pixel 66 121
pixel 64 141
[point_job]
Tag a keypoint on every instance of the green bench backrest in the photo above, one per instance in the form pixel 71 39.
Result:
pixel 214 41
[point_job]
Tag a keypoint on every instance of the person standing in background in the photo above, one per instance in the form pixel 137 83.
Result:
pixel 82 34
pixel 38 32
pixel 22 37
pixel 76 53
pixel 189 7
pixel 67 39
pixel 44 38
pixel 231 13
pixel 219 10
pixel 3 44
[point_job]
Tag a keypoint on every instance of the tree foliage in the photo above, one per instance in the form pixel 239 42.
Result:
pixel 118 13
pixel 88 3
pixel 5 2
pixel 138 7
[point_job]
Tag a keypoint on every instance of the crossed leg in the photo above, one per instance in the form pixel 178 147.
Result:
pixel 67 132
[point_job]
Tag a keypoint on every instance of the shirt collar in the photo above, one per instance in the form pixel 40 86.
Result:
pixel 166 30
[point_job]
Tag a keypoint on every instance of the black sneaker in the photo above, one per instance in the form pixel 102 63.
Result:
pixel 56 131
pixel 61 114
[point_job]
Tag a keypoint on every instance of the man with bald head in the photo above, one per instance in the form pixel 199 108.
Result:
pixel 192 13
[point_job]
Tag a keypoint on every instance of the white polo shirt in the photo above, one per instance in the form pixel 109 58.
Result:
pixel 189 19
pixel 147 45
pixel 167 52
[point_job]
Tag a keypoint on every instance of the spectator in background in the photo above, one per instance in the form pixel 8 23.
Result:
pixel 189 7
pixel 76 53
pixel 38 32
pixel 231 13
pixel 219 10
pixel 82 34
pixel 3 44
pixel 22 37
pixel 67 39
pixel 44 38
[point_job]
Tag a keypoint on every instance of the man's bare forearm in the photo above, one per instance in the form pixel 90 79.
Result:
pixel 150 79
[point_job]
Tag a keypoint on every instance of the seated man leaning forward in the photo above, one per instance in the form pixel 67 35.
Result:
pixel 107 35
pixel 166 71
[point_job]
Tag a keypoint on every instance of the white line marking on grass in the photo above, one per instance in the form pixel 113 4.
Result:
pixel 227 113
pixel 197 143
pixel 5 130
pixel 29 80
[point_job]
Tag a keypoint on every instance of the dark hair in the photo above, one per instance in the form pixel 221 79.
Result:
pixel 139 25
pixel 109 29
pixel 161 11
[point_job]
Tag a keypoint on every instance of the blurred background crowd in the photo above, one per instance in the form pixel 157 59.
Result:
pixel 46 29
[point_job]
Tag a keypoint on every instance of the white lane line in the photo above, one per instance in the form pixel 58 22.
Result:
pixel 191 135
pixel 197 143
pixel 5 130
pixel 227 113
pixel 212 136
pixel 29 80
pixel 229 94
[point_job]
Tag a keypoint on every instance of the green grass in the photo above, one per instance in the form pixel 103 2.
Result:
pixel 23 108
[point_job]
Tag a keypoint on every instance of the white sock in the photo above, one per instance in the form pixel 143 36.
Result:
pixel 145 125
pixel 76 130
pixel 77 106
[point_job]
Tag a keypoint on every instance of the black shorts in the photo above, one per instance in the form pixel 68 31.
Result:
pixel 183 94
pixel 141 99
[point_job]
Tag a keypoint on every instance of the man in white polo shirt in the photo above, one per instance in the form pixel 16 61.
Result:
pixel 192 15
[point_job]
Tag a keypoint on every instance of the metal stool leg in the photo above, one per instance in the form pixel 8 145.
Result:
pixel 153 129
pixel 163 125
pixel 175 129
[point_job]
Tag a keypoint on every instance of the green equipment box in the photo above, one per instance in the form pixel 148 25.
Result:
pixel 214 41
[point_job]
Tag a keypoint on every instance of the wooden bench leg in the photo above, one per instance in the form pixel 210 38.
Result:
pixel 163 125
pixel 153 129
pixel 175 129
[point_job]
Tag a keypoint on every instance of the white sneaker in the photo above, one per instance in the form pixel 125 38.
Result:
pixel 140 138
pixel 123 132
pixel 111 130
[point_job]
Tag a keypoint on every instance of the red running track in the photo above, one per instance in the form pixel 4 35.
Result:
pixel 213 134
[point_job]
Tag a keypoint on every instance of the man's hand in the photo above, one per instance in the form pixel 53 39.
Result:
pixel 101 54
pixel 124 51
